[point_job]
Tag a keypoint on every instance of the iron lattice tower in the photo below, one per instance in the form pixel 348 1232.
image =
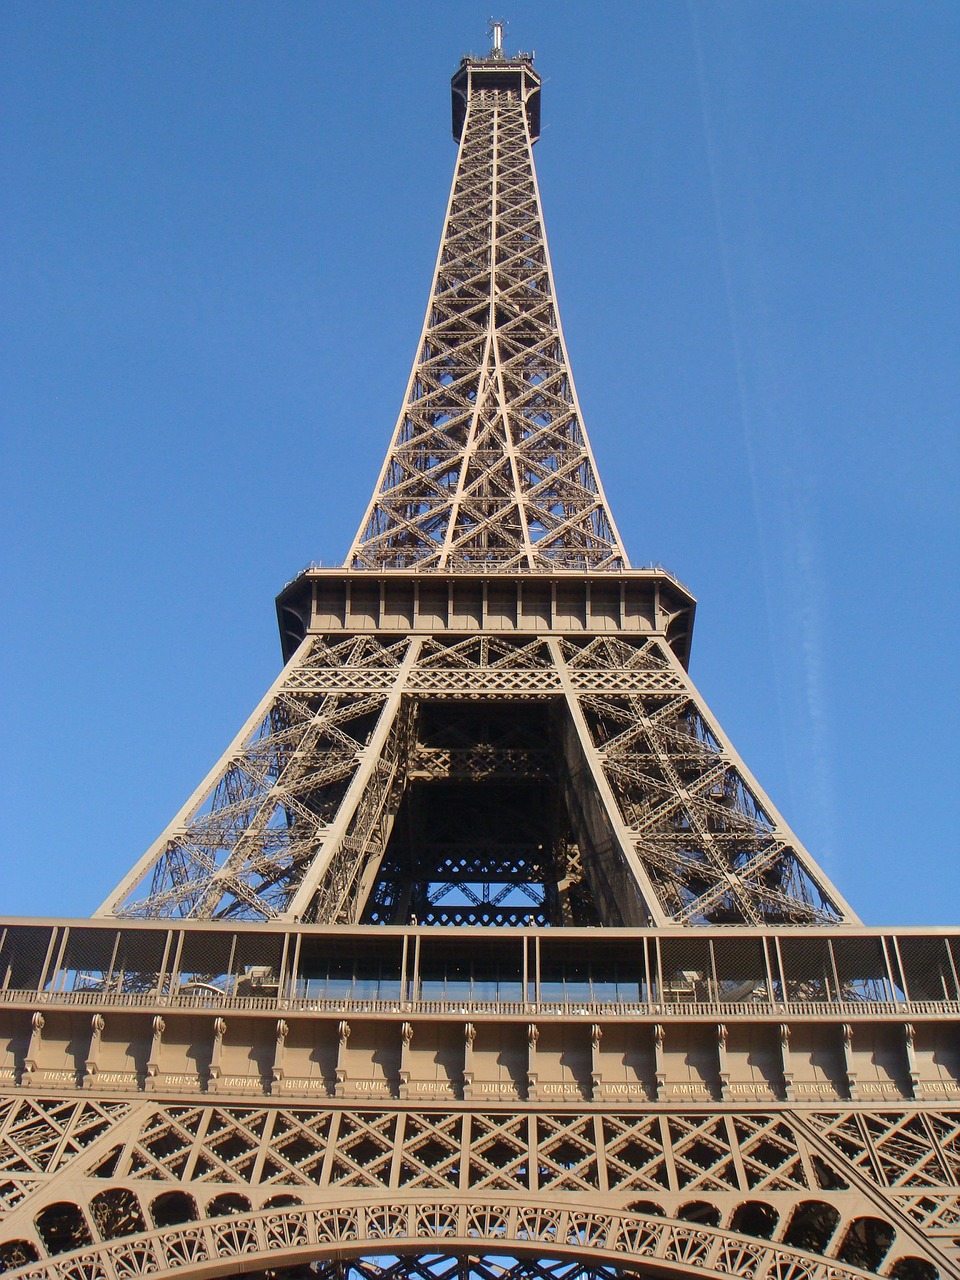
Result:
pixel 651 1037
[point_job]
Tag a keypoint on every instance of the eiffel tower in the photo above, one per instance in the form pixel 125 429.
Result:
pixel 480 952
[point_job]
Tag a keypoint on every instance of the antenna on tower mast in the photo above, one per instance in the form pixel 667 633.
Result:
pixel 495 29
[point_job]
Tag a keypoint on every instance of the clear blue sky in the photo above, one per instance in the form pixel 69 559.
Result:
pixel 220 223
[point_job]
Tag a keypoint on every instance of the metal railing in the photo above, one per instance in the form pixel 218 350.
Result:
pixel 89 999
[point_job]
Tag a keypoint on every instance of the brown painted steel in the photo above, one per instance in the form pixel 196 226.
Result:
pixel 651 1036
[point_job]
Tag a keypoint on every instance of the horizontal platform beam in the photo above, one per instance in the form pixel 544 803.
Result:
pixel 311 1049
pixel 637 601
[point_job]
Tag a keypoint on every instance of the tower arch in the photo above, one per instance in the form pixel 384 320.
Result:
pixel 570 1228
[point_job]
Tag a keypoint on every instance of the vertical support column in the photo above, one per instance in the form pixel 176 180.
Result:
pixel 466 1137
pixel 600 1147
pixel 415 975
pixel 57 975
pixel 781 972
pixel 666 1146
pixel 764 943
pixel 533 1152
pixel 834 973
pixel 156 1047
pixel 7 971
pixel 713 989
pixel 786 1066
pixel 175 971
pixel 404 976
pixel 533 1035
pixel 892 984
pixel 263 1155
pixel 42 980
pixel 909 1037
pixel 846 1032
pixel 660 1074
pixel 596 1077
pixel 406 1035
pixel 736 1154
pixel 214 1072
pixel 37 1022
pixel 343 1036
pixel 469 1035
pixel 723 1071
pixel 955 994
pixel 399 1137
pixel 286 976
pixel 93 1053
pixel 162 975
pixel 276 1072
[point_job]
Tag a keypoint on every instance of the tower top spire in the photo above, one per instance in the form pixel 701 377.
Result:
pixel 489 468
pixel 496 37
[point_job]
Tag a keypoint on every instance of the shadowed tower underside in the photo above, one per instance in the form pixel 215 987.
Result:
pixel 650 1039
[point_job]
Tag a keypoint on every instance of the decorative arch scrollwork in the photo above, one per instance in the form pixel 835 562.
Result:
pixel 283 1237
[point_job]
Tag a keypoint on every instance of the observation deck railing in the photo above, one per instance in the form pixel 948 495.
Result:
pixel 613 1009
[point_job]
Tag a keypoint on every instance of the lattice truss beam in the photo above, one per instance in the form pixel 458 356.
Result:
pixel 308 775
pixel 711 845
pixel 490 466
pixel 835 1193
pixel 295 820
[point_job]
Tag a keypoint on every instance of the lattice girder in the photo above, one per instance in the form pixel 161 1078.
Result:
pixel 305 767
pixel 489 467
pixel 245 1181
pixel 296 819
pixel 485 720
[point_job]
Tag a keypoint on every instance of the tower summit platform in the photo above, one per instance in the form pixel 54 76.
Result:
pixel 496 72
